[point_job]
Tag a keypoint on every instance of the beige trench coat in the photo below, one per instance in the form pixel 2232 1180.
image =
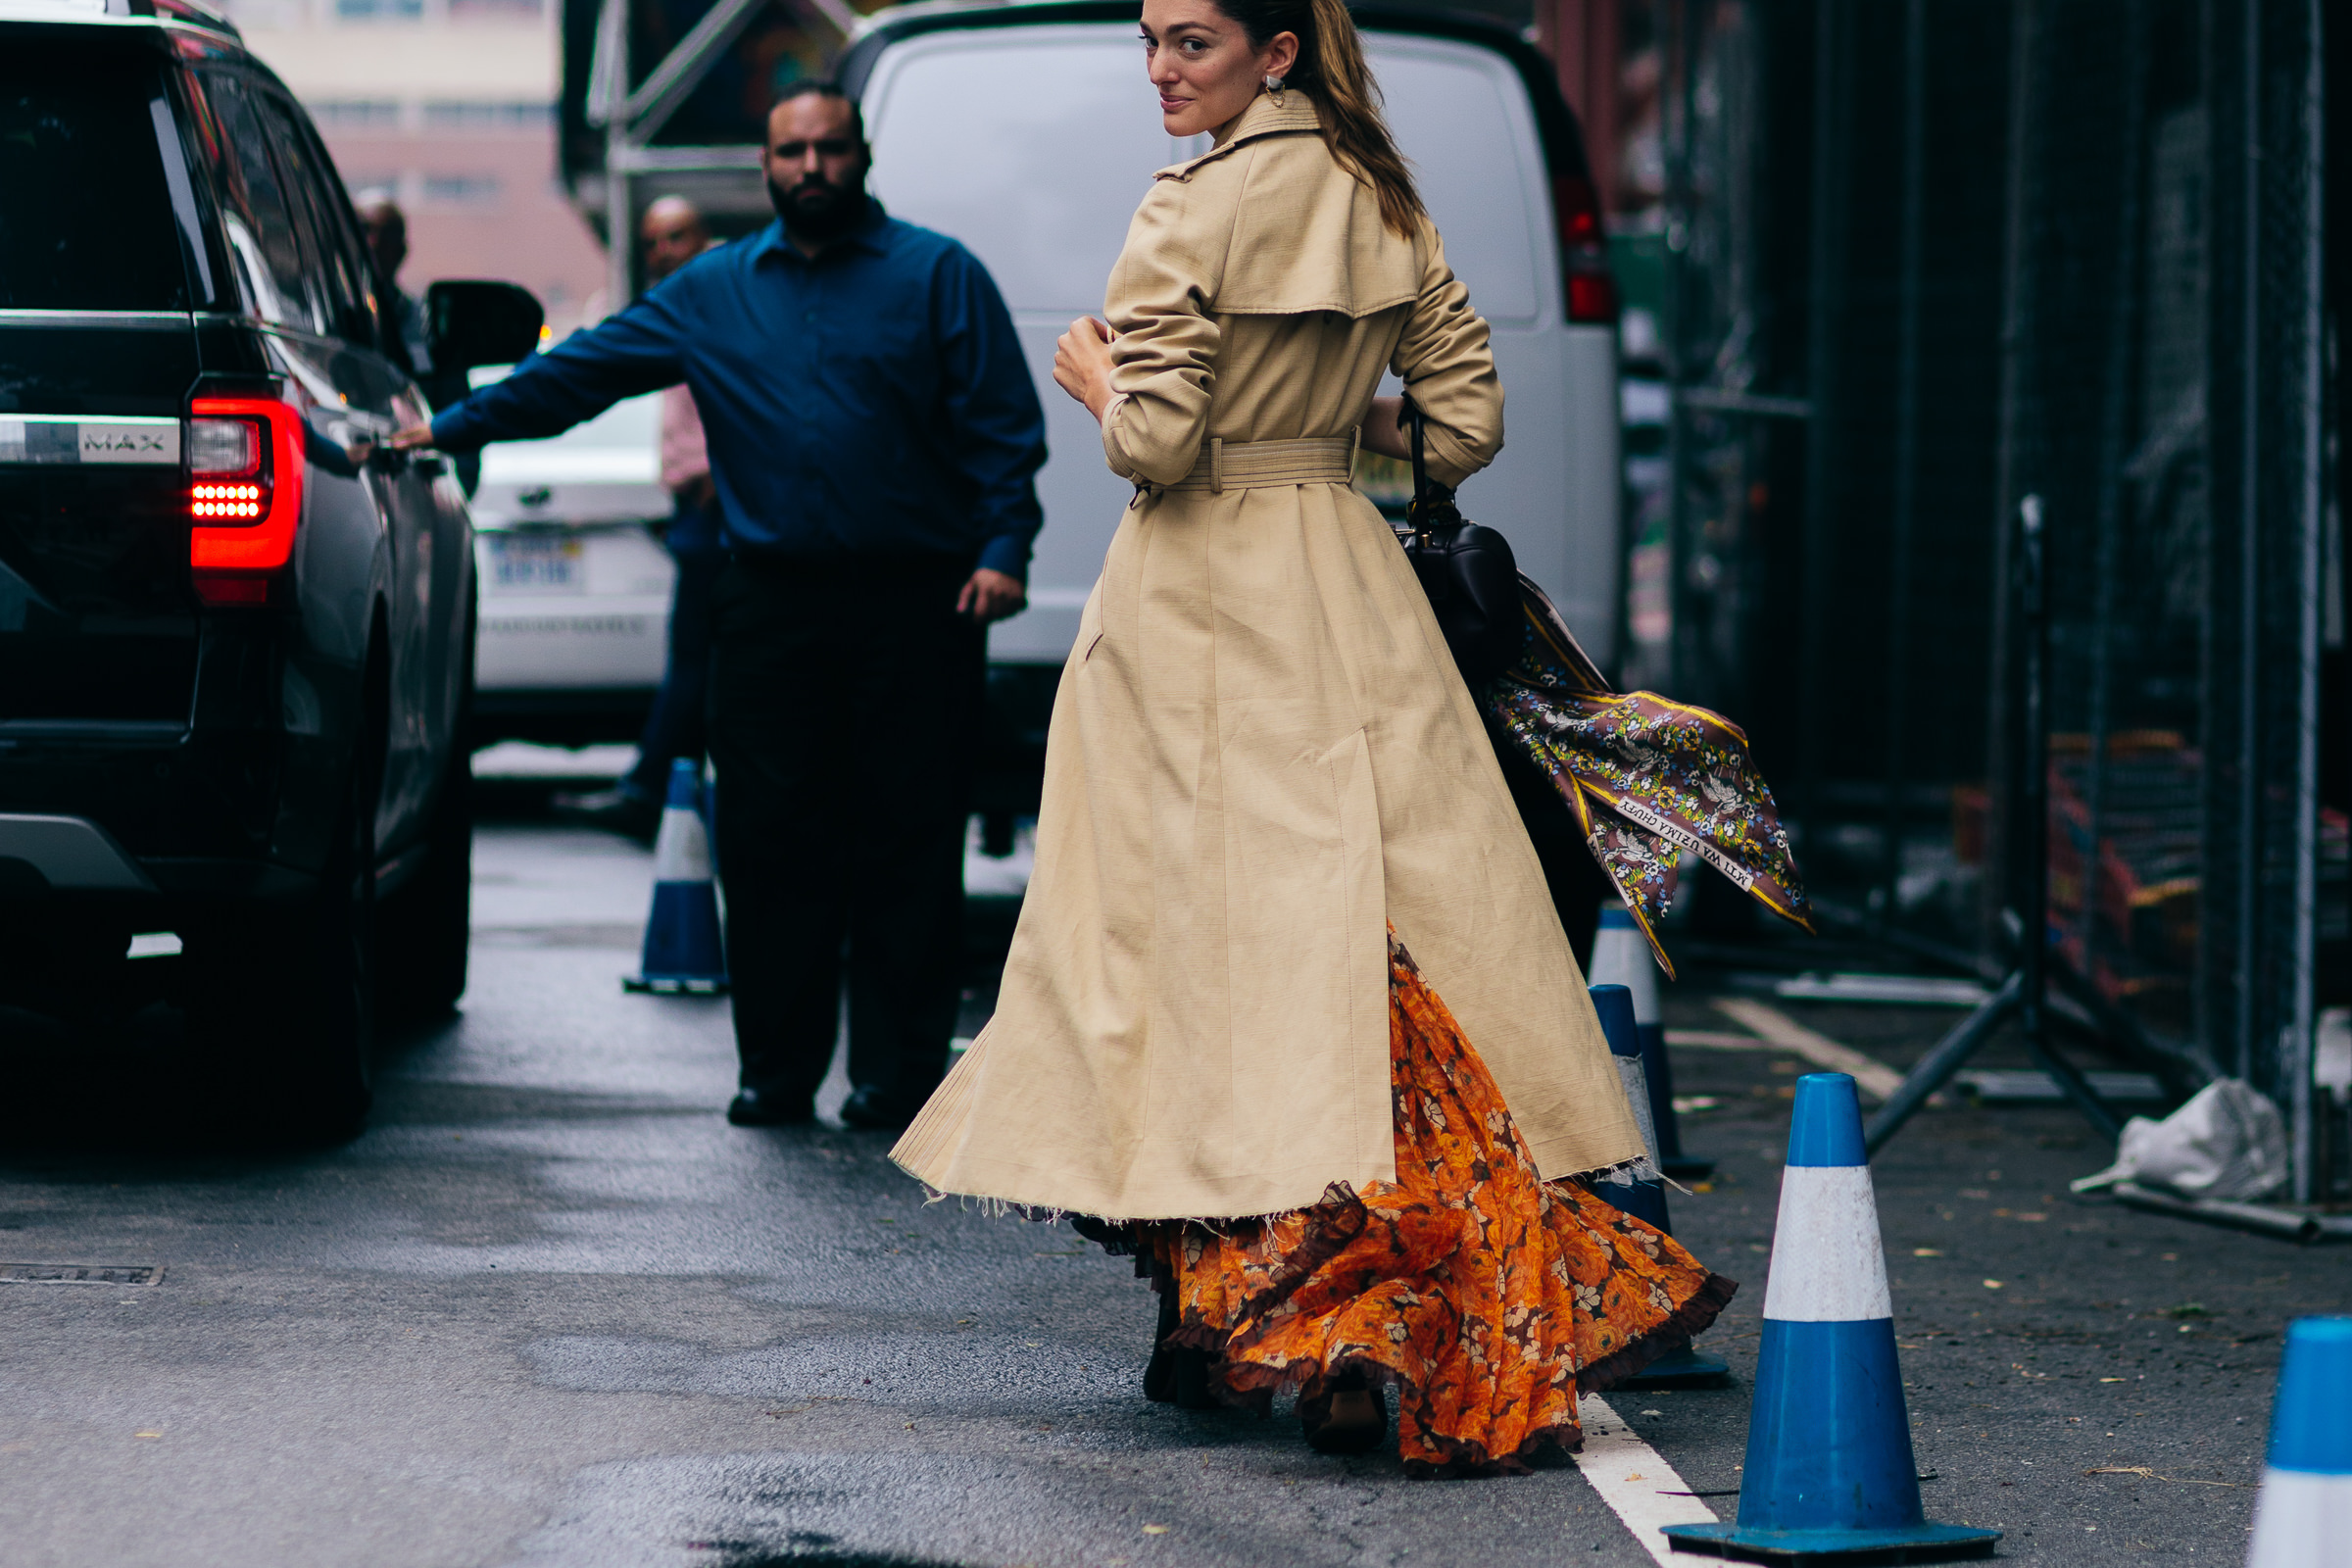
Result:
pixel 1261 755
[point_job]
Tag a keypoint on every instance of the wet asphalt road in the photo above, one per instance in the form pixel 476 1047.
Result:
pixel 550 1309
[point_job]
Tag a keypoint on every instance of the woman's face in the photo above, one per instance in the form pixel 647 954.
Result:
pixel 1200 62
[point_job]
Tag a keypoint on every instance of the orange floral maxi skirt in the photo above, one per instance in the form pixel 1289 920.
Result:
pixel 1486 1297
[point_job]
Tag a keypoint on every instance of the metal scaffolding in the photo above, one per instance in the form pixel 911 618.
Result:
pixel 2067 248
pixel 632 108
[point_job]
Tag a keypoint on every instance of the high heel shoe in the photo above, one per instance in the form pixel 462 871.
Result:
pixel 1350 1416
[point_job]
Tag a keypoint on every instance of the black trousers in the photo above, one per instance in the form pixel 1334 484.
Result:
pixel 845 710
pixel 682 707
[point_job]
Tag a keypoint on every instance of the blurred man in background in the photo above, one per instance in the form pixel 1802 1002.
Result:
pixel 671 234
pixel 874 441
pixel 386 229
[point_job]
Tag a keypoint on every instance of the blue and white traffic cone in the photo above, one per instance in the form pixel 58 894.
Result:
pixel 1644 1200
pixel 1684 1369
pixel 2303 1518
pixel 1830 1472
pixel 1621 957
pixel 682 947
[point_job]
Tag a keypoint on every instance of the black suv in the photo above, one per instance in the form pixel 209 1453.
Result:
pixel 236 629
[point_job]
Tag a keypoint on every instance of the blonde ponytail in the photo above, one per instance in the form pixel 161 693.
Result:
pixel 1331 70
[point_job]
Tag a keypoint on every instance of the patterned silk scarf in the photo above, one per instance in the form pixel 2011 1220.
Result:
pixel 1646 778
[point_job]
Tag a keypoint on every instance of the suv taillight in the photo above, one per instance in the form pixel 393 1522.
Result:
pixel 244 495
pixel 1589 287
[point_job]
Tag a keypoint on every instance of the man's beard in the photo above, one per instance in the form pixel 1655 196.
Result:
pixel 816 210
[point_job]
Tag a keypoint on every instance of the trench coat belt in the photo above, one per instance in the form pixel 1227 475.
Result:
pixel 1255 465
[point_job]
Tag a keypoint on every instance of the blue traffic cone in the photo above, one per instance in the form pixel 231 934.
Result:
pixel 1644 1200
pixel 1684 1369
pixel 2303 1518
pixel 1621 956
pixel 682 947
pixel 1830 1472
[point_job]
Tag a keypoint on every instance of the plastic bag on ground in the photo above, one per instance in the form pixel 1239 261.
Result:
pixel 2229 1143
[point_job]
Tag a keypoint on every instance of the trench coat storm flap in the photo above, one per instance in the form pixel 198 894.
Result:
pixel 1261 758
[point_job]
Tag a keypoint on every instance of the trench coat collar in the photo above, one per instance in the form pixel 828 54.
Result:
pixel 1263 118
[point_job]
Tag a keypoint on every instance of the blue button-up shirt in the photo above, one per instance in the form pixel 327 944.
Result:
pixel 872 401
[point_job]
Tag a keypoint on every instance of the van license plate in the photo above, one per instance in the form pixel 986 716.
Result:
pixel 522 564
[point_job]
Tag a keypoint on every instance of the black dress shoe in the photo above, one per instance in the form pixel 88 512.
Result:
pixel 869 1109
pixel 766 1107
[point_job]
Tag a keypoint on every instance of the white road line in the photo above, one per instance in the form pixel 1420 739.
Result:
pixel 1761 1018
pixel 1717 1039
pixel 1634 1481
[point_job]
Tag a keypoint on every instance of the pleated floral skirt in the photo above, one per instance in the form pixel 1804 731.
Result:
pixel 1487 1297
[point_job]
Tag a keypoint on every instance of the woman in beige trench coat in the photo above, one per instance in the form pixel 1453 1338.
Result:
pixel 1287 935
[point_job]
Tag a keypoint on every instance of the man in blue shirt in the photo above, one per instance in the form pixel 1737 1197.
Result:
pixel 874 438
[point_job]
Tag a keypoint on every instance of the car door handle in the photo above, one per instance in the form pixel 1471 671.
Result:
pixel 425 461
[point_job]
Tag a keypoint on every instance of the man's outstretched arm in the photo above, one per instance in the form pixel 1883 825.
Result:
pixel 634 351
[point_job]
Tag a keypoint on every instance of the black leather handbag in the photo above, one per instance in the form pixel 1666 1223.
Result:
pixel 1467 571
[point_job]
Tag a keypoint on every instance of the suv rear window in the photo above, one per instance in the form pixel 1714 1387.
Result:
pixel 85 213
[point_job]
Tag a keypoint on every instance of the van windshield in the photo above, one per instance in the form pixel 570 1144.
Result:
pixel 86 220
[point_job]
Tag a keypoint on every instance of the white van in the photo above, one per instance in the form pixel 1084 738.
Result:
pixel 1029 132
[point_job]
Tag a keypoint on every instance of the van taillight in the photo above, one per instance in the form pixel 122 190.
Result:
pixel 1590 288
pixel 244 495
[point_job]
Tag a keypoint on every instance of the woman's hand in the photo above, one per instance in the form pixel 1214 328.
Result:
pixel 1383 430
pixel 1082 364
pixel 409 439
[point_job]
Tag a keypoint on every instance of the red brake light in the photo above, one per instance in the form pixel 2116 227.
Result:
pixel 1589 287
pixel 1577 209
pixel 1591 295
pixel 245 466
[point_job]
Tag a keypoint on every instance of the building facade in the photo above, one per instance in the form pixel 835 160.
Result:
pixel 449 105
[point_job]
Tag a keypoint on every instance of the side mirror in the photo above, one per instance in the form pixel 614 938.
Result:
pixel 470 323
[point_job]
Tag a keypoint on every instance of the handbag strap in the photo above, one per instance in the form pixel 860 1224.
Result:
pixel 1432 504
